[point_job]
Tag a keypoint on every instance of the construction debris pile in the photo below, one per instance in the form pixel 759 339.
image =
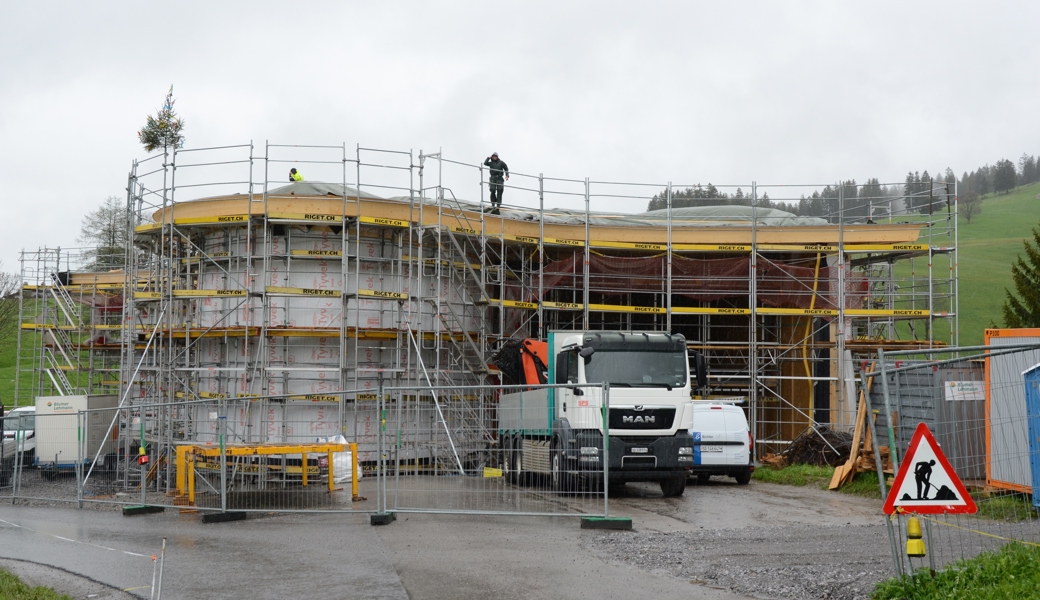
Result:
pixel 818 446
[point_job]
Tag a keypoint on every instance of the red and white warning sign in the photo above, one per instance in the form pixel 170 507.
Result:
pixel 926 483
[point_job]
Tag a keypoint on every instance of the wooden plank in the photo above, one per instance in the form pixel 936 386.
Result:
pixel 844 473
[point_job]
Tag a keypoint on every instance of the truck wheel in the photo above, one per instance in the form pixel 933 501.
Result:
pixel 743 478
pixel 673 487
pixel 560 478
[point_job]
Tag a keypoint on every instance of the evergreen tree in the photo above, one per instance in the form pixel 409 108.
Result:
pixel 1027 169
pixel 1024 310
pixel 982 180
pixel 1004 177
pixel 164 129
pixel 871 196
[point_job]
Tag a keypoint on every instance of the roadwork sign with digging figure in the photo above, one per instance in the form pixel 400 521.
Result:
pixel 926 483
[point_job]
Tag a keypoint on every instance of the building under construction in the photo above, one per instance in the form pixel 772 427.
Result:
pixel 385 268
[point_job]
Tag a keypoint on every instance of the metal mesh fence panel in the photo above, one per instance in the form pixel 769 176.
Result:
pixel 494 450
pixel 975 402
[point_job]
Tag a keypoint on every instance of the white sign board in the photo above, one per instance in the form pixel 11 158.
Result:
pixel 955 391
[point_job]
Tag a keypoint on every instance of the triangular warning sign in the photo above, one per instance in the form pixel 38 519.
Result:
pixel 926 483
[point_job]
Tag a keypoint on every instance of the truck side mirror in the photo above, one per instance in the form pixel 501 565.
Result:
pixel 586 353
pixel 561 368
pixel 700 367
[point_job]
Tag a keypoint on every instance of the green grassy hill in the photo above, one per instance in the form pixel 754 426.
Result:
pixel 988 245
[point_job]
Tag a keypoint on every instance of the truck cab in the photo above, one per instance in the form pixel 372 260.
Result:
pixel 649 415
pixel 648 421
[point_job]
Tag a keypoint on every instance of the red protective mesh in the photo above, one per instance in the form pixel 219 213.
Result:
pixel 779 284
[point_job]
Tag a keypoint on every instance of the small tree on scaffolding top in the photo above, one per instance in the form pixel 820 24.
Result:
pixel 163 131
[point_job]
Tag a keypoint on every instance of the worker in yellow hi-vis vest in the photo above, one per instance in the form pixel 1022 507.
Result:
pixel 295 175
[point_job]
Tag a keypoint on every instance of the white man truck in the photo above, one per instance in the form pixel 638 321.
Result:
pixel 559 431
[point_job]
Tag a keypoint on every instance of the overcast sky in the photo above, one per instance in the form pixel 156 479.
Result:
pixel 688 92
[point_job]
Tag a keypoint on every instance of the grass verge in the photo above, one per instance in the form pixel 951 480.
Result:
pixel 1006 507
pixel 1011 572
pixel 12 588
pixel 863 484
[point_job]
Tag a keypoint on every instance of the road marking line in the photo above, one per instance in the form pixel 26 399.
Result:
pixel 71 540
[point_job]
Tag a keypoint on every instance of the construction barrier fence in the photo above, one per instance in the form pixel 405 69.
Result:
pixel 496 450
pixel 981 405
pixel 473 449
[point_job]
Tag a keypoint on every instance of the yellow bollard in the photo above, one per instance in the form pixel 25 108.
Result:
pixel 355 471
pixel 914 543
pixel 332 485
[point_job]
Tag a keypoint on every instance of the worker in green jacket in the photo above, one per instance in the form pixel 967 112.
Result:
pixel 294 175
pixel 496 183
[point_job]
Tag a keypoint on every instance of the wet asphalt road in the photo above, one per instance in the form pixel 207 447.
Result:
pixel 420 555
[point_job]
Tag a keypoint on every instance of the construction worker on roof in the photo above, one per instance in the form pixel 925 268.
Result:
pixel 295 175
pixel 496 184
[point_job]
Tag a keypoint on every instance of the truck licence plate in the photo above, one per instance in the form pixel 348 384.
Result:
pixel 711 448
pixel 639 450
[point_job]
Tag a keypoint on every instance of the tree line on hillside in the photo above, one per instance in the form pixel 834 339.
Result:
pixel 853 200
pixel 920 193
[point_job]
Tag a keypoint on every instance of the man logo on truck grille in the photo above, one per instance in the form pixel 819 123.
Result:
pixel 638 419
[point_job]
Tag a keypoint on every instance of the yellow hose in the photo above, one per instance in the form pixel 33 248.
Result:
pixel 808 331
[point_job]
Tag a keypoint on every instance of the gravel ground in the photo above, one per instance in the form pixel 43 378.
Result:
pixel 841 562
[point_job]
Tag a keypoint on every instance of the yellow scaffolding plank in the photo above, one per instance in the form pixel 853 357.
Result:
pixel 148 227
pixel 294 291
pixel 197 259
pixel 563 305
pixel 382 294
pixel 884 247
pixel 523 239
pixel 864 312
pixel 628 245
pixel 697 310
pixel 316 253
pixel 627 309
pixel 799 247
pixel 712 247
pixel 384 222
pixel 212 220
pixel 515 304
pixel 314 398
pixel 829 312
pixel 306 217
pixel 208 293
pixel 38 326
pixel 561 242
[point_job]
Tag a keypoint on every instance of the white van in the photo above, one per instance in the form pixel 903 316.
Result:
pixel 722 442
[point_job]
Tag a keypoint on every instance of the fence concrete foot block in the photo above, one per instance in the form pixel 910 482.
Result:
pixel 621 523
pixel 383 519
pixel 132 511
pixel 223 517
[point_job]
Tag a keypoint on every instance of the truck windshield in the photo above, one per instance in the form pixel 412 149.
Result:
pixel 637 368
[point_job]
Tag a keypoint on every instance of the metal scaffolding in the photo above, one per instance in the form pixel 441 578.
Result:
pixel 293 303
